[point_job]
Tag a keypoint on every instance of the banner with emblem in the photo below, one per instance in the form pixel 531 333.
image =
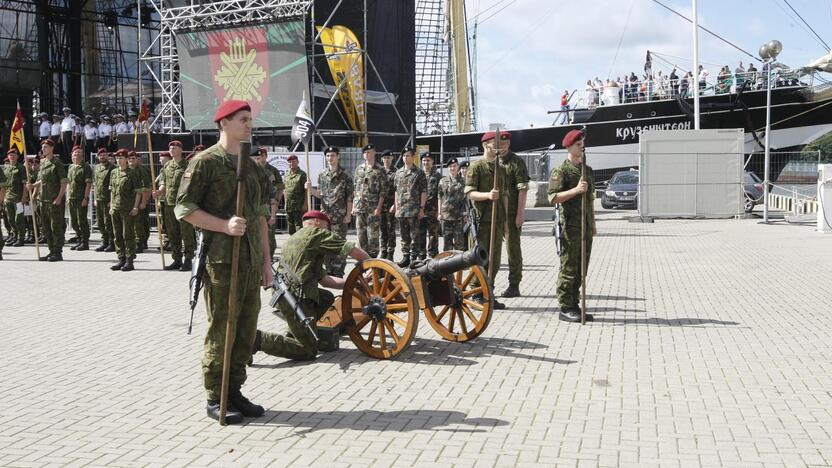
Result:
pixel 16 139
pixel 353 63
pixel 303 129
pixel 338 66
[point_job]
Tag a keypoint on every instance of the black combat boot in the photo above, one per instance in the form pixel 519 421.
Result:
pixel 139 249
pixel 497 305
pixel 102 247
pixel 512 291
pixel 128 265
pixel 570 314
pixel 45 258
pixel 72 239
pixel 405 262
pixel 118 265
pixel 56 257
pixel 111 247
pixel 186 265
pixel 232 416
pixel 255 347
pixel 30 239
pixel 19 242
pixel 75 247
pixel 174 266
pixel 243 405
pixel 1 255
pixel 85 245
pixel 41 240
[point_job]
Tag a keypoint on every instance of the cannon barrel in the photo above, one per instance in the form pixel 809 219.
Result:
pixel 445 266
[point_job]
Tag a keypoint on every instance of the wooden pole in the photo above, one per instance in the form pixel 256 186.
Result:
pixel 583 238
pixel 308 179
pixel 231 325
pixel 156 198
pixel 31 201
pixel 493 238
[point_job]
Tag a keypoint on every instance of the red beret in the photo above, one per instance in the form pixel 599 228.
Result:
pixel 102 150
pixel 121 153
pixel 165 154
pixel 263 151
pixel 487 136
pixel 229 108
pixel 132 154
pixel 175 143
pixel 49 142
pixel 572 137
pixel 315 214
pixel 292 157
pixel 76 147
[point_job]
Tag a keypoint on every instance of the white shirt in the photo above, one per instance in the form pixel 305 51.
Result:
pixel 90 132
pixel 67 124
pixel 45 129
pixel 105 130
pixel 56 129
pixel 131 127
pixel 703 74
pixel 121 128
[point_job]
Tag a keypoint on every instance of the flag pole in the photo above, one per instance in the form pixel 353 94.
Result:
pixel 308 177
pixel 31 192
pixel 153 183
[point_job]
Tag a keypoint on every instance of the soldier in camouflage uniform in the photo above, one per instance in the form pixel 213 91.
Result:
pixel 409 207
pixel 479 186
pixel 126 194
pixel 369 199
pixel 387 247
pixel 304 254
pixel 276 186
pixel 206 200
pixel 566 188
pixel 51 187
pixel 78 196
pixel 452 205
pixel 295 183
pixel 101 184
pixel 4 185
pixel 15 175
pixel 34 165
pixel 430 229
pixel 335 188
pixel 181 234
pixel 517 187
pixel 143 218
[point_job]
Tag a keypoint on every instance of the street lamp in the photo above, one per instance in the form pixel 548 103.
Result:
pixel 768 52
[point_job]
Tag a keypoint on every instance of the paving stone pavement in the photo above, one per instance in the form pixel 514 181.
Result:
pixel 710 348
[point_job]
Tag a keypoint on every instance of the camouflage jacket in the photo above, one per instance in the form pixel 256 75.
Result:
pixel 15 174
pixel 78 175
pixel 369 187
pixel 275 181
pixel 480 178
pixel 143 174
pixel 304 253
pixel 295 183
pixel 452 197
pixel 517 179
pixel 210 184
pixel 124 185
pixel 101 181
pixel 563 178
pixel 432 205
pixel 51 175
pixel 171 179
pixel 389 188
pixel 336 192
pixel 411 183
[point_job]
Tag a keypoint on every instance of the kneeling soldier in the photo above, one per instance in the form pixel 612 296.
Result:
pixel 304 255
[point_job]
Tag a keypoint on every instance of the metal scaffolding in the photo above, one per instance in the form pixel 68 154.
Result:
pixel 434 80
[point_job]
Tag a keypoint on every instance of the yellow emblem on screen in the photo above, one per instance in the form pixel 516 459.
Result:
pixel 240 75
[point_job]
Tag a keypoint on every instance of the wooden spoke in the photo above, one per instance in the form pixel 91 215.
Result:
pixel 397 319
pixel 451 321
pixel 385 284
pixel 364 284
pixel 461 322
pixel 381 336
pixel 442 313
pixel 360 295
pixel 470 314
pixel 376 282
pixel 392 331
pixel 467 280
pixel 475 305
pixel 471 292
pixel 458 277
pixel 372 333
pixel 393 293
pixel 360 324
pixel 397 306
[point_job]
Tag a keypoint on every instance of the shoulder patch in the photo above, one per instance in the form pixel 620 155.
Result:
pixel 187 175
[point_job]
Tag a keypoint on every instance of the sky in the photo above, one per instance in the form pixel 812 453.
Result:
pixel 529 51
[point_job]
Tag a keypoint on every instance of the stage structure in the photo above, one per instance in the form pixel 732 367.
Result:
pixel 272 51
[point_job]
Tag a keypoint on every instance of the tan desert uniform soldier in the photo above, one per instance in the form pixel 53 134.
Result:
pixel 207 200
pixel 125 198
pixel 101 185
pixel 294 181
pixel 181 235
pixel 51 186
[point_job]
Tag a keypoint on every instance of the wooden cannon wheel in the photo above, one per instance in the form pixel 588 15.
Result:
pixel 384 311
pixel 466 319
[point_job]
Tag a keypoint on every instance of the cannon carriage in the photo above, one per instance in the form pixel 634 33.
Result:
pixel 381 303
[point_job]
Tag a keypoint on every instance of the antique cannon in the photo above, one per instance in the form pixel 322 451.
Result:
pixel 379 309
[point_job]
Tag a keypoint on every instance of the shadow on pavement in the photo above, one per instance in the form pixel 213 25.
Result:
pixel 679 322
pixel 397 421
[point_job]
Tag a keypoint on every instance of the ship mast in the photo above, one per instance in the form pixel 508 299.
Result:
pixel 459 65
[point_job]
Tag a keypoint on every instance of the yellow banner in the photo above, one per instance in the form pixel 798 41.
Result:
pixel 16 139
pixel 354 62
pixel 338 67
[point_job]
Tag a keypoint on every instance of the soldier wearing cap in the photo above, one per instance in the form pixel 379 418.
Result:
pixel 479 186
pixel 369 201
pixel 121 127
pixel 335 188
pixel 55 134
pixel 105 133
pixel 126 194
pixel 206 200
pixel 567 188
pixel 90 136
pixel 101 186
pixel 430 229
pixel 409 206
pixel 34 166
pixel 197 149
pixel 131 121
pixel 304 254
pixel 51 187
pixel 142 227
pixel 295 183
pixel 78 195
pixel 15 176
pixel 4 185
pixel 275 187
pixel 181 235
pixel 452 207
pixel 164 158
pixel 45 128
pixel 517 187
pixel 67 131
pixel 387 247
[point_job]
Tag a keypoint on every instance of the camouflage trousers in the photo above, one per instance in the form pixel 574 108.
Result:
pixel 272 231
pixel 485 241
pixel 336 264
pixel 409 228
pixel 52 221
pixel 78 219
pixel 124 233
pixel 429 235
pixel 143 225
pixel 105 222
pixel 17 222
pixel 180 235
pixel 387 246
pixel 217 281
pixel 569 278
pixel 453 234
pixel 302 346
pixel 515 255
pixel 294 219
pixel 368 227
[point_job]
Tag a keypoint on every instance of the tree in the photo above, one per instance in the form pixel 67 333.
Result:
pixel 822 144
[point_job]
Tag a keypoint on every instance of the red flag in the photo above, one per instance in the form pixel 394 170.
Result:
pixel 144 113
pixel 16 138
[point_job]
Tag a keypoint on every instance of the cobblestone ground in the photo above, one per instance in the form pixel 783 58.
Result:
pixel 710 347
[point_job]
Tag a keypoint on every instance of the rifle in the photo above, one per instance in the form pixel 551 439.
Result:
pixel 197 270
pixel 280 285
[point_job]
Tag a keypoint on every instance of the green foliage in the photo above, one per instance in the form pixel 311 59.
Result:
pixel 822 144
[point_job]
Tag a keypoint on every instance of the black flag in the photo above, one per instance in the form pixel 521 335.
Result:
pixel 303 128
